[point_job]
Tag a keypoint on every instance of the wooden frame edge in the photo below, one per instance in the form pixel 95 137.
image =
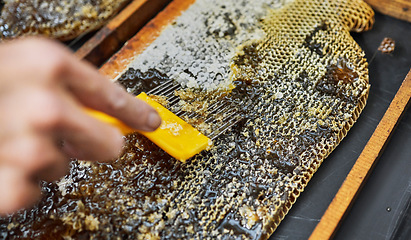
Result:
pixel 118 30
pixel 119 61
pixel 395 8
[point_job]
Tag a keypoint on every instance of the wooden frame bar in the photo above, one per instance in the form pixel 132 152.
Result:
pixel 118 62
pixel 121 28
pixel 400 9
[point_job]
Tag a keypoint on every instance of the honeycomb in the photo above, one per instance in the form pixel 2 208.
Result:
pixel 300 82
pixel 387 45
pixel 64 20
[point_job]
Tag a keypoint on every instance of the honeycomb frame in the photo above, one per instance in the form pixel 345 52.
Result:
pixel 224 193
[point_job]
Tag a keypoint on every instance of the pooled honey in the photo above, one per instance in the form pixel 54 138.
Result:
pixel 299 88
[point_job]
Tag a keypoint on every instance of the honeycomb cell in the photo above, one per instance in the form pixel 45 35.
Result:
pixel 387 45
pixel 292 72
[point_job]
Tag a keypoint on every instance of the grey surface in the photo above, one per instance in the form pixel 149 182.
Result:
pixel 389 185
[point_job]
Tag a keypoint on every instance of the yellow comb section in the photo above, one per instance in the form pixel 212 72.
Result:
pixel 175 136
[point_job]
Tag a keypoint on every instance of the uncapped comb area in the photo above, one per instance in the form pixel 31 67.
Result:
pixel 64 20
pixel 300 82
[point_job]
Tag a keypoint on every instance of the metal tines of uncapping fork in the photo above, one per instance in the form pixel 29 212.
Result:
pixel 175 136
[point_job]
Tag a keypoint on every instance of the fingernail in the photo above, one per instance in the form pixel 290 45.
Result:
pixel 153 121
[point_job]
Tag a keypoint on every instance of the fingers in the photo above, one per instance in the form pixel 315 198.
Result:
pixel 43 103
pixel 16 190
pixel 25 142
pixel 84 81
pixel 34 154
pixel 58 114
pixel 28 147
pixel 109 97
pixel 87 138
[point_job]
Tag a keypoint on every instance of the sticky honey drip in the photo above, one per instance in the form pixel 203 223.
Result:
pixel 300 89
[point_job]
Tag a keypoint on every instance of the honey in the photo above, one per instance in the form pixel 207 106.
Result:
pixel 298 87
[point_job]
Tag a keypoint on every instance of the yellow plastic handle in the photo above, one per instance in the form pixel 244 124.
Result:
pixel 175 136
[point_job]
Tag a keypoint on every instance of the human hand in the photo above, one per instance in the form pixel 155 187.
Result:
pixel 43 90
